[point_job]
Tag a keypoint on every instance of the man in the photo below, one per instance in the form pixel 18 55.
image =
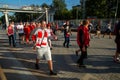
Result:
pixel 20 29
pixel 67 33
pixel 43 47
pixel 117 41
pixel 83 39
pixel 108 30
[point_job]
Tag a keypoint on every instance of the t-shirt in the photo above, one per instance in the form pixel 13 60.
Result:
pixel 20 28
pixel 10 30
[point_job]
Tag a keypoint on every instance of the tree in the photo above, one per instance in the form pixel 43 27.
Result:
pixel 101 8
pixel 95 8
pixel 59 4
pixel 44 5
pixel 76 12
pixel 61 10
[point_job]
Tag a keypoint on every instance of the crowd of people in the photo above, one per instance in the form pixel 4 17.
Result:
pixel 41 33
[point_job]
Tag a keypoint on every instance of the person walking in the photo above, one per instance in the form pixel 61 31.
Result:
pixel 108 30
pixel 117 41
pixel 67 33
pixel 15 31
pixel 98 30
pixel 51 35
pixel 20 29
pixel 77 51
pixel 43 48
pixel 27 32
pixel 83 39
pixel 10 33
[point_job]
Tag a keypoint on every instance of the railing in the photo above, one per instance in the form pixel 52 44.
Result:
pixel 103 23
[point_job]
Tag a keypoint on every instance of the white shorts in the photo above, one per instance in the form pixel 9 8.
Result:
pixel 44 51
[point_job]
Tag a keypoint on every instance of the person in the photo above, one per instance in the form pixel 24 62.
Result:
pixel 10 33
pixel 77 51
pixel 51 35
pixel 98 30
pixel 67 33
pixel 83 39
pixel 20 29
pixel 117 41
pixel 27 32
pixel 90 26
pixel 43 48
pixel 15 31
pixel 108 30
pixel 53 27
pixel 32 36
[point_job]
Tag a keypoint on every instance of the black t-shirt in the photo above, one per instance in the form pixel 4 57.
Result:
pixel 98 27
pixel 67 28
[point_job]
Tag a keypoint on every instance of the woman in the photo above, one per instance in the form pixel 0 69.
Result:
pixel 10 33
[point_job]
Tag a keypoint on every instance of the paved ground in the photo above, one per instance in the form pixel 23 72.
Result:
pixel 18 63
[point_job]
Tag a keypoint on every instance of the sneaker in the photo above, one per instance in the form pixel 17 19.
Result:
pixel 117 60
pixel 76 52
pixel 67 46
pixel 50 48
pixel 52 73
pixel 37 66
pixel 14 45
pixel 82 66
pixel 63 45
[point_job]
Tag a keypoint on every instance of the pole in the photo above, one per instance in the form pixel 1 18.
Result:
pixel 84 12
pixel 116 10
pixel 6 18
pixel 116 13
pixel 46 11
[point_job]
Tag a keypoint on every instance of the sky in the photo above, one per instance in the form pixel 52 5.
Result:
pixel 19 3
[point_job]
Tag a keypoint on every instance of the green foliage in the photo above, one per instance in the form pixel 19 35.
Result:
pixel 93 8
pixel 101 8
pixel 44 5
pixel 59 4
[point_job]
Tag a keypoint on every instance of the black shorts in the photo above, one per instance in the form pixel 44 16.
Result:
pixel 21 34
pixel 108 31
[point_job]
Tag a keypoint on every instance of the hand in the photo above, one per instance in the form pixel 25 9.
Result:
pixel 55 38
pixel 34 47
pixel 83 49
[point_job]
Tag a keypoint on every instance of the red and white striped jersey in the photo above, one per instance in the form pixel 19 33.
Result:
pixel 41 38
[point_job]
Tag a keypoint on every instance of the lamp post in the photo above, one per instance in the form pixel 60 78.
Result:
pixel 77 11
pixel 84 11
pixel 116 10
pixel 46 11
pixel 6 18
pixel 6 15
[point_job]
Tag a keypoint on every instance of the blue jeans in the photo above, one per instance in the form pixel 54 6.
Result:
pixel 66 42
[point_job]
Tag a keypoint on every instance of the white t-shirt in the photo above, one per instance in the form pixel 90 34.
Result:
pixel 20 28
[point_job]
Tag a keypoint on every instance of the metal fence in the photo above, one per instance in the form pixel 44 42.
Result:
pixel 102 22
